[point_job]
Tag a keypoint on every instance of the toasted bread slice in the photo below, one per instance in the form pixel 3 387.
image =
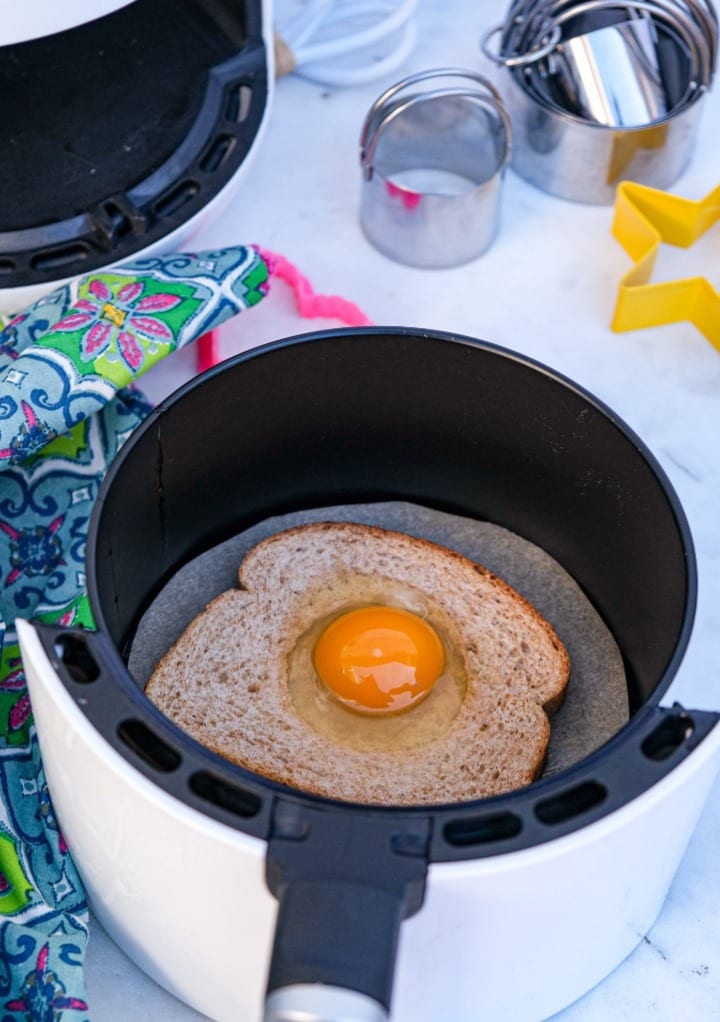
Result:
pixel 225 681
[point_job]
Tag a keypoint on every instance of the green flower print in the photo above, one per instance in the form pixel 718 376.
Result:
pixel 119 328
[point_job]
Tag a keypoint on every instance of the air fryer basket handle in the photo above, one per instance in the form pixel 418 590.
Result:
pixel 330 938
pixel 344 881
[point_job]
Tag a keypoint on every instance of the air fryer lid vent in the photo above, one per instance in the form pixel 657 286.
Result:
pixel 120 130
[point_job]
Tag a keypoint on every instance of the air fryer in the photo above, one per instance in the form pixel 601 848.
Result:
pixel 448 423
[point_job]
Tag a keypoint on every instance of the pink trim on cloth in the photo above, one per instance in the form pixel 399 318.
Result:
pixel 208 351
pixel 311 305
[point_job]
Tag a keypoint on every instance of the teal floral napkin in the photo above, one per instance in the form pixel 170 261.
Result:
pixel 67 403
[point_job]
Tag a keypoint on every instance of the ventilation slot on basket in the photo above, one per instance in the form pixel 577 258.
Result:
pixel 7 266
pixel 174 200
pixel 77 659
pixel 57 258
pixel 238 104
pixel 667 737
pixel 217 153
pixel 571 803
pixel 224 796
pixel 146 744
pixel 481 830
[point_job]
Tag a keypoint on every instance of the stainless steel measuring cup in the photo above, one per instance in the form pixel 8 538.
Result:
pixel 601 91
pixel 433 150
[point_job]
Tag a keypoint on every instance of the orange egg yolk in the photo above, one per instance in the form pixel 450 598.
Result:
pixel 379 660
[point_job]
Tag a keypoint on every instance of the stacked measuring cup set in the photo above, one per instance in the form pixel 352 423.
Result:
pixel 585 96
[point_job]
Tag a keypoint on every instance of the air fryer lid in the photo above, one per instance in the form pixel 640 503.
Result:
pixel 384 414
pixel 118 131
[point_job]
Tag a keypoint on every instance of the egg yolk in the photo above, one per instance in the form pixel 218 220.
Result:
pixel 379 660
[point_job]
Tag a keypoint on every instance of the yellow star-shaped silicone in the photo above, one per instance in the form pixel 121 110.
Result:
pixel 644 219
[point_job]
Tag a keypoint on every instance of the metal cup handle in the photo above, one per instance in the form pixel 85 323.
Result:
pixel 375 114
pixel 385 117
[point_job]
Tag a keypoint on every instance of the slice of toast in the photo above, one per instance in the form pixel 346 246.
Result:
pixel 225 681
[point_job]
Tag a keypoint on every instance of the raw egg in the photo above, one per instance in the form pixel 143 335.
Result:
pixel 378 672
pixel 379 660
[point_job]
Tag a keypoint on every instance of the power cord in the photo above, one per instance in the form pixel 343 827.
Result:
pixel 345 42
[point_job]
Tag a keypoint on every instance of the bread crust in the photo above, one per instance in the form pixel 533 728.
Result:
pixel 225 680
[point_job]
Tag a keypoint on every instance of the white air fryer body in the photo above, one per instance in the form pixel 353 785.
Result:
pixel 509 937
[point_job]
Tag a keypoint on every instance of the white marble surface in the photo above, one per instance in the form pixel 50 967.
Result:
pixel 546 288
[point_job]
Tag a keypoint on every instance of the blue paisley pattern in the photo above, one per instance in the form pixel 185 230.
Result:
pixel 73 350
pixel 67 404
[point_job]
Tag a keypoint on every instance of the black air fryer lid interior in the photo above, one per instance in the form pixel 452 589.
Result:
pixel 118 131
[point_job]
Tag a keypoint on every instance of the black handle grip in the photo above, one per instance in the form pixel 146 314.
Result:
pixel 345 880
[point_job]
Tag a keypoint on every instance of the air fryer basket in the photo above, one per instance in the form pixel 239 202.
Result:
pixel 382 414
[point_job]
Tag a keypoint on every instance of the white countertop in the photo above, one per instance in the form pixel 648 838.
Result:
pixel 546 288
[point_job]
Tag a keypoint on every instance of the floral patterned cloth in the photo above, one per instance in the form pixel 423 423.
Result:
pixel 65 409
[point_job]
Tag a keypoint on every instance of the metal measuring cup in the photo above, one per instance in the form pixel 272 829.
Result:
pixel 433 160
pixel 601 91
